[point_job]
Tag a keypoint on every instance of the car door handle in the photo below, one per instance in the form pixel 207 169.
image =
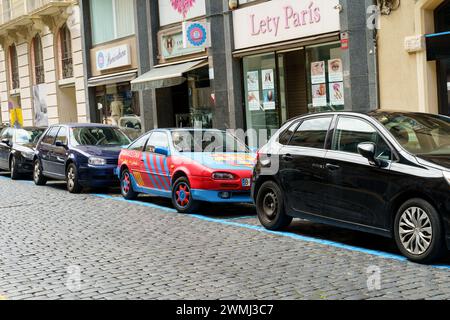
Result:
pixel 332 167
pixel 287 157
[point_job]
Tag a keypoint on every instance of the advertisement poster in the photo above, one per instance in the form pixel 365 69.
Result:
pixel 40 105
pixel 337 94
pixel 268 80
pixel 172 11
pixel 254 103
pixel 318 72
pixel 252 81
pixel 196 34
pixel 269 100
pixel 15 115
pixel 335 70
pixel 319 95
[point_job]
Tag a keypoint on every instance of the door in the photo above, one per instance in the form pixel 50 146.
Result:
pixel 355 190
pixel 301 161
pixel 156 164
pixel 46 148
pixel 60 154
pixel 136 163
pixel 4 148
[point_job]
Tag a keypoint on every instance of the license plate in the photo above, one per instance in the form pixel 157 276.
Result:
pixel 246 182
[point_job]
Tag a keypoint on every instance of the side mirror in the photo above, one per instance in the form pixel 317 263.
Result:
pixel 6 141
pixel 60 144
pixel 367 150
pixel 162 151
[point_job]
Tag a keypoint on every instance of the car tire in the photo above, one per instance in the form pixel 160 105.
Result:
pixel 38 177
pixel 182 198
pixel 418 231
pixel 13 168
pixel 270 207
pixel 126 187
pixel 73 184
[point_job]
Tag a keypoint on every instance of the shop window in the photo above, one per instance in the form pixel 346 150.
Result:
pixel 111 19
pixel 14 67
pixel 65 40
pixel 119 106
pixel 38 59
pixel 325 78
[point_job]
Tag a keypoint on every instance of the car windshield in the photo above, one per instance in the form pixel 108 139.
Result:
pixel 101 136
pixel 206 141
pixel 25 136
pixel 420 134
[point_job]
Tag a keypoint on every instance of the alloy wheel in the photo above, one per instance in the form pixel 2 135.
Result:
pixel 183 195
pixel 71 178
pixel 126 182
pixel 415 230
pixel 37 171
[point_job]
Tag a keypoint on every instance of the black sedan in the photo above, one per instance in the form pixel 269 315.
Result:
pixel 386 173
pixel 17 148
pixel 83 155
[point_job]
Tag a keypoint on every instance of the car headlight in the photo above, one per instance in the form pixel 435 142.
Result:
pixel 222 176
pixel 447 176
pixel 95 161
pixel 28 155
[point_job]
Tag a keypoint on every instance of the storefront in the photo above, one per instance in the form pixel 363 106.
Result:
pixel 181 79
pixel 291 59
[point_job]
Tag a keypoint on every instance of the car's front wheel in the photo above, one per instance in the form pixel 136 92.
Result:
pixel 38 177
pixel 126 186
pixel 182 198
pixel 418 231
pixel 270 207
pixel 13 168
pixel 73 184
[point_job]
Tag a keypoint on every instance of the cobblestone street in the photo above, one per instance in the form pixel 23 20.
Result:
pixel 55 245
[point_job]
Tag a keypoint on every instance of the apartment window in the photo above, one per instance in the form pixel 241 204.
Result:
pixel 66 52
pixel 14 67
pixel 38 55
pixel 111 19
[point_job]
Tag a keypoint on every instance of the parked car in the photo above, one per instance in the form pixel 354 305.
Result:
pixel 84 155
pixel 386 173
pixel 182 165
pixel 17 149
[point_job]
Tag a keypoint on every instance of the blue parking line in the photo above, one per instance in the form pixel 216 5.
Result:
pixel 330 243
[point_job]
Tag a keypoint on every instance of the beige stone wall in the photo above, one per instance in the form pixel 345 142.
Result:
pixel 407 80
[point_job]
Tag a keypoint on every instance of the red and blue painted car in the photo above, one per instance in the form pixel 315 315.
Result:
pixel 189 166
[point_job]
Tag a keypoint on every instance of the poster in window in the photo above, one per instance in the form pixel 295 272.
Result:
pixel 335 70
pixel 254 103
pixel 337 94
pixel 268 80
pixel 319 92
pixel 252 81
pixel 40 105
pixel 318 72
pixel 269 100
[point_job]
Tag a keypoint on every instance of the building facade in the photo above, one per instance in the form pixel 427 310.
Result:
pixel 41 64
pixel 414 57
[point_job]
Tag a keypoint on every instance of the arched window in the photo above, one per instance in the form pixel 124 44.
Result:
pixel 14 67
pixel 38 55
pixel 66 52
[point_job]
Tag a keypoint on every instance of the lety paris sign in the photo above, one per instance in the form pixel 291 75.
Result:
pixel 283 20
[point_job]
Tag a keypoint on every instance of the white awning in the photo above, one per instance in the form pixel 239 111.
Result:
pixel 165 76
pixel 112 78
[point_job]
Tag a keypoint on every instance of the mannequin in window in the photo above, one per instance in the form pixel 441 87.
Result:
pixel 116 110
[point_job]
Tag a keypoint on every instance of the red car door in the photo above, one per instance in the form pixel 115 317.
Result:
pixel 156 165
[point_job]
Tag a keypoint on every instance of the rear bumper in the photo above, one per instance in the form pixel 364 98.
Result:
pixel 217 196
pixel 101 176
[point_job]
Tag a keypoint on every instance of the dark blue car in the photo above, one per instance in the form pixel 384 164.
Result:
pixel 83 155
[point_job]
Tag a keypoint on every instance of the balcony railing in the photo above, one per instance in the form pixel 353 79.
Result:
pixel 13 9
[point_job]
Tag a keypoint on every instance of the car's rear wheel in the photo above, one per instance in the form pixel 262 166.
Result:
pixel 270 207
pixel 126 186
pixel 38 177
pixel 182 198
pixel 418 231
pixel 73 183
pixel 13 168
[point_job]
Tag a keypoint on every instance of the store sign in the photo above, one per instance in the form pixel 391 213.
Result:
pixel 196 34
pixel 113 57
pixel 173 11
pixel 172 46
pixel 283 20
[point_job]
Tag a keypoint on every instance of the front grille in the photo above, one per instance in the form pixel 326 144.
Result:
pixel 112 161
